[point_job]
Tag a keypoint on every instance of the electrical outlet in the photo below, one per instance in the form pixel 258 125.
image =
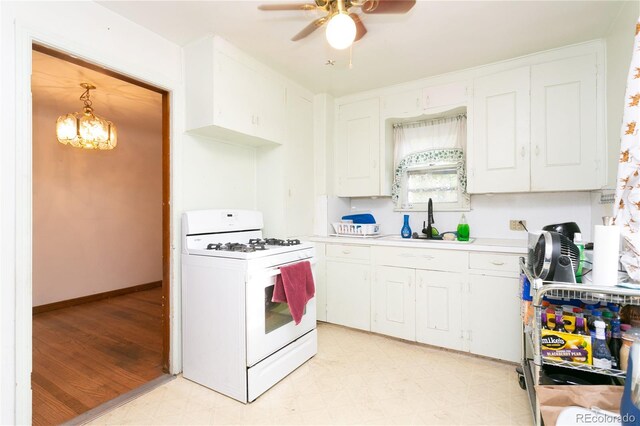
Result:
pixel 517 225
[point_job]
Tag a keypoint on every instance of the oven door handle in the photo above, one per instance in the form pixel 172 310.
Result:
pixel 276 271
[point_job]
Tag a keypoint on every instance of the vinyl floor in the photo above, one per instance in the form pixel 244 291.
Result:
pixel 86 355
pixel 356 378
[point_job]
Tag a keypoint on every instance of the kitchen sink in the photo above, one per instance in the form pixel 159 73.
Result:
pixel 424 240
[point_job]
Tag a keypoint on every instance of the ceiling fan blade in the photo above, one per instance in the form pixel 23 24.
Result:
pixel 387 6
pixel 287 6
pixel 309 28
pixel 361 30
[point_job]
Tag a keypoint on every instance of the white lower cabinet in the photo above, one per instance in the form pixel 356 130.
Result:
pixel 493 306
pixel 455 299
pixel 439 308
pixel 495 330
pixel 348 274
pixel 394 307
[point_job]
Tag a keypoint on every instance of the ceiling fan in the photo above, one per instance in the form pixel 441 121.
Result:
pixel 343 25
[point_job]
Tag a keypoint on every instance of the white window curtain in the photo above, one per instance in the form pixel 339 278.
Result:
pixel 419 136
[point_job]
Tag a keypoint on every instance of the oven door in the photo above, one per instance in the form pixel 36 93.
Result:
pixel 270 326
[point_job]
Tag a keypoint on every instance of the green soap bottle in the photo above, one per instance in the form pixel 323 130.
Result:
pixel 463 229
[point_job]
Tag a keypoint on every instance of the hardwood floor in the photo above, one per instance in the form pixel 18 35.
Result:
pixel 86 355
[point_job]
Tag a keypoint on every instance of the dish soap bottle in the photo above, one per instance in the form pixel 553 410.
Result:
pixel 601 353
pixel 463 229
pixel 406 229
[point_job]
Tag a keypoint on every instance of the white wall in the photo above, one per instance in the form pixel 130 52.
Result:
pixel 490 214
pixel 91 32
pixel 97 215
pixel 204 173
pixel 217 175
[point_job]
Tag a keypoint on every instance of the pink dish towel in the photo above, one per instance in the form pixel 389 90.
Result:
pixel 295 287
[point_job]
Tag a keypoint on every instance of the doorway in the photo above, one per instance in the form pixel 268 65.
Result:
pixel 101 241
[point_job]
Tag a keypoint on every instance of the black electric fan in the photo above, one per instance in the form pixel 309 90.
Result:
pixel 555 258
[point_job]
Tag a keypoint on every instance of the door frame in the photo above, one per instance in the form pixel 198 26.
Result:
pixel 166 183
pixel 20 174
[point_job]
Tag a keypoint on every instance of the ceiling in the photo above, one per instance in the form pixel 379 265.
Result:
pixel 435 37
pixel 56 83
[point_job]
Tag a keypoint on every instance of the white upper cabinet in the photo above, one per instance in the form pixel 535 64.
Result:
pixel 413 103
pixel 231 96
pixel 357 149
pixel 564 126
pixel 499 153
pixel 539 127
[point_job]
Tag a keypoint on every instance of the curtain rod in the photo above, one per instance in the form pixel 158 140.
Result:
pixel 428 120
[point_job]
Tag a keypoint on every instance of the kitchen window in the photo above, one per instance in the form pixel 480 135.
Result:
pixel 430 163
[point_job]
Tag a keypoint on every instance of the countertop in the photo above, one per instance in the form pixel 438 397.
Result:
pixel 479 244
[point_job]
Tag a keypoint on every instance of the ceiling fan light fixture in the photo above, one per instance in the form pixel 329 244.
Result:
pixel 341 31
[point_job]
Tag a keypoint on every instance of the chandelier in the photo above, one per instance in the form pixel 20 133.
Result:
pixel 85 129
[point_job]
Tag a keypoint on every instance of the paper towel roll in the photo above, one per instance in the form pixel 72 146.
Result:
pixel 606 251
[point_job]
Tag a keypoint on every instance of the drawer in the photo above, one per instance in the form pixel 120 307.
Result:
pixel 347 252
pixel 494 262
pixel 418 258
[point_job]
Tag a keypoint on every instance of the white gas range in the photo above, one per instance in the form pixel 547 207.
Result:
pixel 235 339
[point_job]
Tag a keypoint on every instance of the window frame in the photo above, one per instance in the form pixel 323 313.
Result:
pixel 435 159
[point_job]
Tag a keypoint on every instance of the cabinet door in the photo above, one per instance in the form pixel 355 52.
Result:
pixel 269 116
pixel 564 125
pixel 439 308
pixel 494 317
pixel 349 294
pixel 447 94
pixel 404 104
pixel 394 302
pixel 357 149
pixel 234 101
pixel 299 166
pixel 320 280
pixel 499 152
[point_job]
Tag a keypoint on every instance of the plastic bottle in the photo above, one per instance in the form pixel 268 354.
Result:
pixel 577 240
pixel 463 229
pixel 406 229
pixel 615 311
pixel 615 343
pixel 596 315
pixel 601 353
pixel 607 316
pixel 588 309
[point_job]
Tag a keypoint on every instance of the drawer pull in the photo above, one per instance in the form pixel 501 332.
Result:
pixel 497 262
pixel 427 257
pixel 407 255
pixel 346 251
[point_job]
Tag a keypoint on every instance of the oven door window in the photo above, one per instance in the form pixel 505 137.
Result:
pixel 276 314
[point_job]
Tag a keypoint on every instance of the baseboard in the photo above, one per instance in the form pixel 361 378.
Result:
pixel 94 297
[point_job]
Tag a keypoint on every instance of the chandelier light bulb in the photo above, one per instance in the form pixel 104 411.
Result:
pixel 341 31
pixel 86 129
